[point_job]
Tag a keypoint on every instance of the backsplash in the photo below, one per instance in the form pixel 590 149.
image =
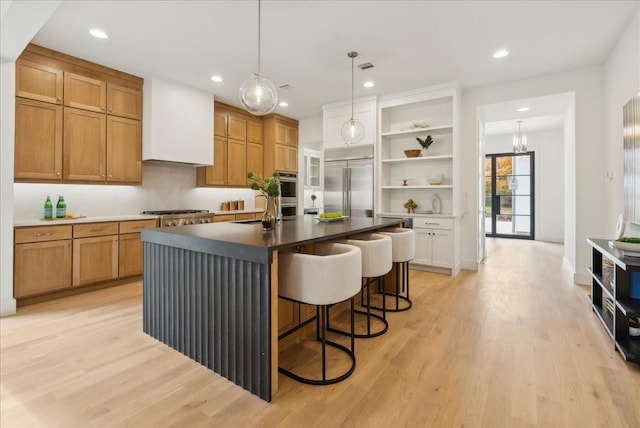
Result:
pixel 165 186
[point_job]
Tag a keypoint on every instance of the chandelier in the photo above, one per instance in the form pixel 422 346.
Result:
pixel 519 141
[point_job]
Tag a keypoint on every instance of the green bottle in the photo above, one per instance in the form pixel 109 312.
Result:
pixel 48 208
pixel 61 208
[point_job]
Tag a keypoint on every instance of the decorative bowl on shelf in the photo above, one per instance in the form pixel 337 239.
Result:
pixel 435 178
pixel 414 153
pixel 630 248
pixel 420 124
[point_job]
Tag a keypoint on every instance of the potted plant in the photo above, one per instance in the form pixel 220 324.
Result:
pixel 270 189
pixel 410 205
pixel 425 143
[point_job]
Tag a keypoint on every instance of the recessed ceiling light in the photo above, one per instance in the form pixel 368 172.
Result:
pixel 369 84
pixel 283 104
pixel 501 53
pixel 98 34
pixel 522 109
pixel 216 78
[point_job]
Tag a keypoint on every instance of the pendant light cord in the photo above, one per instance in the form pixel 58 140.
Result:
pixel 352 87
pixel 258 37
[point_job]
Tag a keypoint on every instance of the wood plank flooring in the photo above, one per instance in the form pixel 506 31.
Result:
pixel 513 345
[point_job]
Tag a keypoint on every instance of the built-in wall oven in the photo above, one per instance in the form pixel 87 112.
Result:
pixel 288 194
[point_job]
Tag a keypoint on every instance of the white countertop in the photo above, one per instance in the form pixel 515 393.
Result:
pixel 42 222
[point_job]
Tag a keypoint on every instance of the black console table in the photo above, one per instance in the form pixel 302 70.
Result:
pixel 612 281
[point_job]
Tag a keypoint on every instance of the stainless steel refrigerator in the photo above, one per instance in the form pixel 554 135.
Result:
pixel 348 181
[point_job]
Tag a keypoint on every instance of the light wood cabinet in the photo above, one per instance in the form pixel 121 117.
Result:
pixel 219 122
pixel 87 230
pixel 84 149
pixel 280 144
pixel 236 127
pixel 130 255
pixel 40 267
pixel 254 131
pixel 124 102
pixel 85 92
pixel 95 259
pixel 38 140
pixel 286 158
pixel 38 82
pixel 288 315
pixel 42 259
pixel 255 155
pixel 236 162
pixel 216 174
pixel 70 144
pixel 124 150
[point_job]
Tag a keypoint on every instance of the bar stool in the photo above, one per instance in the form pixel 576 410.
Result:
pixel 376 263
pixel 403 242
pixel 330 275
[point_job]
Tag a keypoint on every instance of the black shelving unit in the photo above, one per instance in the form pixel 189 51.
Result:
pixel 615 285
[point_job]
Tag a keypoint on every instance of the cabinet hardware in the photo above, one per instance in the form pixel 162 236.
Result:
pixel 109 175
pixel 59 99
pixel 44 233
pixel 110 109
pixel 58 174
pixel 96 230
pixel 434 224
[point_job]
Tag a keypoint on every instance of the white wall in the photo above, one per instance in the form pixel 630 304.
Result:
pixel 165 186
pixel 587 84
pixel 548 146
pixel 310 133
pixel 621 82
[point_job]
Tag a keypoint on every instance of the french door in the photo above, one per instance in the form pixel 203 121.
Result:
pixel 509 195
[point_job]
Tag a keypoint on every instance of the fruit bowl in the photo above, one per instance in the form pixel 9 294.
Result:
pixel 629 248
pixel 412 153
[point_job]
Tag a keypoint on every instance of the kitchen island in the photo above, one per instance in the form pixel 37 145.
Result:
pixel 211 291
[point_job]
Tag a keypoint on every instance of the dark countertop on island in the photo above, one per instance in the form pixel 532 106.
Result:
pixel 249 242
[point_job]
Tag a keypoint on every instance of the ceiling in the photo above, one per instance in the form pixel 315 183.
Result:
pixel 412 44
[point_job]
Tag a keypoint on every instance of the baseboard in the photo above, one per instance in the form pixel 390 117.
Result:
pixel 582 278
pixel 470 265
pixel 8 307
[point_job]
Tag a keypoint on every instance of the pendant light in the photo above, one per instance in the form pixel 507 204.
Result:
pixel 519 141
pixel 352 130
pixel 258 95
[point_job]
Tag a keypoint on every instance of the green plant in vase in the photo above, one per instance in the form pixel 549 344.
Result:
pixel 426 142
pixel 269 188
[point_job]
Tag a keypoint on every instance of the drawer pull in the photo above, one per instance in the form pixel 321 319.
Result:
pixel 44 233
pixel 96 230
pixel 434 224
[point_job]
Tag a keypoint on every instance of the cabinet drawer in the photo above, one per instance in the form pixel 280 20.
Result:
pixel 95 229
pixel 136 225
pixel 224 217
pixel 433 223
pixel 41 234
pixel 245 216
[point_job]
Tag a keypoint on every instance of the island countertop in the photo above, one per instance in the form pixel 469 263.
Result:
pixel 248 240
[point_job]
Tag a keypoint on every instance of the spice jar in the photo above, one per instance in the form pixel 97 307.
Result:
pixel 240 205
pixel 224 206
pixel 233 205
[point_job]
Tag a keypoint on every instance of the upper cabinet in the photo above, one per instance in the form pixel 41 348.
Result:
pixel 336 114
pixel 280 144
pixel 76 121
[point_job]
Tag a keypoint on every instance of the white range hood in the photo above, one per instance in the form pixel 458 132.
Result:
pixel 177 123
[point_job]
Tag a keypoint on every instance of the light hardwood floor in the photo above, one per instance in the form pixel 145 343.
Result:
pixel 513 345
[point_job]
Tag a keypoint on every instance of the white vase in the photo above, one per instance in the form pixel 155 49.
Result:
pixel 436 204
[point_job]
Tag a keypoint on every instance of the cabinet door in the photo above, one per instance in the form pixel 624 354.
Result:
pixel 216 174
pixel 333 121
pixel 95 259
pixel 220 123
pixel 442 248
pixel 237 127
pixel 38 82
pixel 84 92
pixel 224 217
pixel 38 140
pixel 286 134
pixel 288 315
pixel 84 145
pixel 292 159
pixel 124 150
pixel 236 163
pixel 281 157
pixel 254 131
pixel 42 266
pixel 124 102
pixel 423 247
pixel 130 255
pixel 255 154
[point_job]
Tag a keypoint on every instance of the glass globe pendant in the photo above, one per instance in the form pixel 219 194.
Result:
pixel 258 95
pixel 352 130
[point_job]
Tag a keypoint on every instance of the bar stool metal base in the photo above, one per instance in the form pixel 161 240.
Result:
pixel 382 318
pixel 322 323
pixel 396 294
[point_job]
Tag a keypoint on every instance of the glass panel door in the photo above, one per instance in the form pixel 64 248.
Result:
pixel 509 195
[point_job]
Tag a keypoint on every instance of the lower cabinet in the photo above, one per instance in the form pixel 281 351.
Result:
pixel 95 259
pixel 434 243
pixel 55 258
pixel 40 267
pixel 236 217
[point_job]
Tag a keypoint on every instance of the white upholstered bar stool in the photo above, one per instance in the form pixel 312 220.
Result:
pixel 376 263
pixel 403 242
pixel 330 275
